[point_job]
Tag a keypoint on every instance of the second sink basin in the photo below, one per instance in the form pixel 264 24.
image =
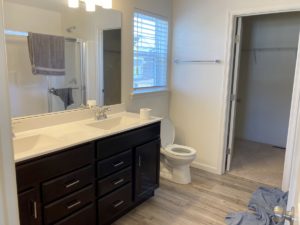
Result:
pixel 114 123
pixel 23 144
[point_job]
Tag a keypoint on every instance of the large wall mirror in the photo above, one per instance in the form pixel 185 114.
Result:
pixel 59 57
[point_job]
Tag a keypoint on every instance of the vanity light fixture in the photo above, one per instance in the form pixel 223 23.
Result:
pixel 99 2
pixel 91 4
pixel 73 3
pixel 107 4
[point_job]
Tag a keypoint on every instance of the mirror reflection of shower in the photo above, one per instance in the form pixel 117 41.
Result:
pixel 36 94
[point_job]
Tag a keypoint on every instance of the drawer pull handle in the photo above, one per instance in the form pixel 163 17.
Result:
pixel 74 205
pixel 118 164
pixel 35 213
pixel 73 184
pixel 118 204
pixel 119 182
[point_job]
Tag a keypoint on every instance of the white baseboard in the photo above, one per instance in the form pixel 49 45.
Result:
pixel 205 167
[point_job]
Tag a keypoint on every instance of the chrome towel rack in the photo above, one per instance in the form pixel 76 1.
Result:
pixel 216 61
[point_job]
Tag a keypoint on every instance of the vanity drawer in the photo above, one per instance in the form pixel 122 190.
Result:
pixel 85 216
pixel 113 145
pixel 113 164
pixel 113 204
pixel 67 184
pixel 50 166
pixel 64 207
pixel 114 181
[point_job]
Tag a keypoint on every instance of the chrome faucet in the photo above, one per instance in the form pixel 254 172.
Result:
pixel 100 112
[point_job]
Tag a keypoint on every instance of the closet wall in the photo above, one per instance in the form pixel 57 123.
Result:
pixel 266 77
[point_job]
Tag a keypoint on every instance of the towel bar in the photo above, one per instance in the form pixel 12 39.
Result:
pixel 177 61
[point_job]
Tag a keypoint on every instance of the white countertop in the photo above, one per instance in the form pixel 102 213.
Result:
pixel 38 142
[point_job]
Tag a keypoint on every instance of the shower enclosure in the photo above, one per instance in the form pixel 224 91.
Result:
pixel 74 78
pixel 34 94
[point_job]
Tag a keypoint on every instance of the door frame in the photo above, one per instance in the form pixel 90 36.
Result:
pixel 100 58
pixel 295 109
pixel 8 187
pixel 235 62
pixel 294 165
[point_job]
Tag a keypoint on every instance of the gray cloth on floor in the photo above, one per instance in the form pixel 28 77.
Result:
pixel 65 94
pixel 47 54
pixel 262 203
pixel 244 218
pixel 267 199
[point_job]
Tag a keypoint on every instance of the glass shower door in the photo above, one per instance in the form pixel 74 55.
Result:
pixel 68 92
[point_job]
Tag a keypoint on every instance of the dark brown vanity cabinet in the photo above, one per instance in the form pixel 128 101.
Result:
pixel 53 187
pixel 30 207
pixel 146 169
pixel 94 183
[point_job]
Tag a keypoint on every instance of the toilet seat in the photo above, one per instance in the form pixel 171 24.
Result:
pixel 167 133
pixel 167 142
pixel 180 150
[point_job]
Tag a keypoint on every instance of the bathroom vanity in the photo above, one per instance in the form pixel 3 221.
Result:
pixel 91 183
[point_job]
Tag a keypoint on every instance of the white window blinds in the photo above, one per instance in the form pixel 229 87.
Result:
pixel 150 51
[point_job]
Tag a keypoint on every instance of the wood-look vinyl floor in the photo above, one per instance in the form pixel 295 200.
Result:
pixel 206 201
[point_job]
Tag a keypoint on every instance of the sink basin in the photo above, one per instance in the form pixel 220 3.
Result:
pixel 114 123
pixel 23 144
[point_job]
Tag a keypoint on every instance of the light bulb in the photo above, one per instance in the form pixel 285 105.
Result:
pixel 107 4
pixel 99 2
pixel 73 3
pixel 90 5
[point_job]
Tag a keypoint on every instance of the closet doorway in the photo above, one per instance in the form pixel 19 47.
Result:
pixel 261 96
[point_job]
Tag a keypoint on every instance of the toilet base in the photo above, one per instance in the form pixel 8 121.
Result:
pixel 178 174
pixel 182 174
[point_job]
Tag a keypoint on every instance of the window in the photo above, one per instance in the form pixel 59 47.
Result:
pixel 150 52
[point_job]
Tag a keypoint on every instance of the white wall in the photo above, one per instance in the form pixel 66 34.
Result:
pixel 87 27
pixel 200 30
pixel 26 18
pixel 8 187
pixel 159 102
pixel 28 93
pixel 266 77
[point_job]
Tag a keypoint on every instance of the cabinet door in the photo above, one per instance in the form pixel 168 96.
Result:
pixel 29 208
pixel 146 168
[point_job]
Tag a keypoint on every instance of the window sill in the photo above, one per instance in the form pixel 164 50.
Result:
pixel 147 91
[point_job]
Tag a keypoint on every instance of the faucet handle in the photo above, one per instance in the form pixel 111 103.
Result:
pixel 106 109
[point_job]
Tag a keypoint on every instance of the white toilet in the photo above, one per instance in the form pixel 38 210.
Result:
pixel 175 159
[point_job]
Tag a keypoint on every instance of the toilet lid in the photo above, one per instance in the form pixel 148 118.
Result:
pixel 167 133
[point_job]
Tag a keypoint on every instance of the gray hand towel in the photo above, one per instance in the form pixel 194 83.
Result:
pixel 65 94
pixel 47 54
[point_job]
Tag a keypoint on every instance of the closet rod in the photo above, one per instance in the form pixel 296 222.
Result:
pixel 178 61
